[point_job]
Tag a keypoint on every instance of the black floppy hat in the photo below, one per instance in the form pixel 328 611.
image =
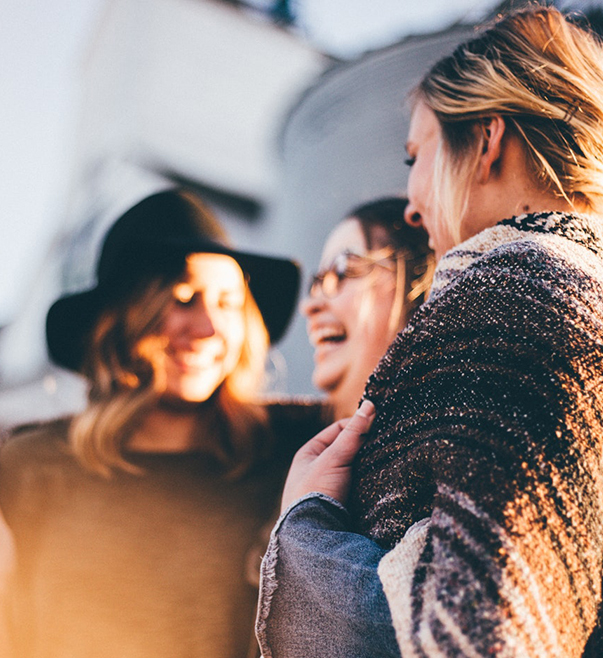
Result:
pixel 153 237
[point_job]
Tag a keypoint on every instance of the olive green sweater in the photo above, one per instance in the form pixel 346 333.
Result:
pixel 159 565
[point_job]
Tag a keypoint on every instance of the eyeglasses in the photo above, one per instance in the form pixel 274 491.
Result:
pixel 349 265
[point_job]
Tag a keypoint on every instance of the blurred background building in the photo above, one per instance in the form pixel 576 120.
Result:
pixel 282 115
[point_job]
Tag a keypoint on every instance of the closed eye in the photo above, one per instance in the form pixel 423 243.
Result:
pixel 184 303
pixel 184 294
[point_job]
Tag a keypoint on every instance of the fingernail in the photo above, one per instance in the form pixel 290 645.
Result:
pixel 366 409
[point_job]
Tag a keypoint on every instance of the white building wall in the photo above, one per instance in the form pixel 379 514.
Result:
pixel 196 87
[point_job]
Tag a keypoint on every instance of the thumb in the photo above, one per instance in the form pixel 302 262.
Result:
pixel 351 437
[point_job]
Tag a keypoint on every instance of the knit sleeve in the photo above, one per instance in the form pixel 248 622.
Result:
pixel 490 424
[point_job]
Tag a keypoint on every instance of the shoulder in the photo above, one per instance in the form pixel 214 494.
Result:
pixel 35 442
pixel 525 281
pixel 569 254
pixel 30 458
pixel 503 296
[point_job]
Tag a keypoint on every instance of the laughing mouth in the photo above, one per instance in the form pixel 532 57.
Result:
pixel 327 335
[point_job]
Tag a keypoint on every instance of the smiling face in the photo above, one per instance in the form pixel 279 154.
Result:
pixel 423 145
pixel 200 340
pixel 350 330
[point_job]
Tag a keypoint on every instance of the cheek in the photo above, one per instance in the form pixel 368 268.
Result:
pixel 380 303
pixel 412 185
pixel 351 303
pixel 421 179
pixel 366 315
pixel 172 324
pixel 233 332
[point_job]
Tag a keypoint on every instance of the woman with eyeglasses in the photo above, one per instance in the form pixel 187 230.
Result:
pixel 471 522
pixel 375 271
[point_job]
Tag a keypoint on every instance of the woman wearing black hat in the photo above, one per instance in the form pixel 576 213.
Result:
pixel 134 522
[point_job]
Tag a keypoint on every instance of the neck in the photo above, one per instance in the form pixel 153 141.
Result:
pixel 171 430
pixel 345 402
pixel 544 203
pixel 526 204
pixel 507 189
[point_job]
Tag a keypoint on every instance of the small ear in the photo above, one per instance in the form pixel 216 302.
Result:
pixel 493 128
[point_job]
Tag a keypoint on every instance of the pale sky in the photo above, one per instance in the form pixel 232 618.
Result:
pixel 349 27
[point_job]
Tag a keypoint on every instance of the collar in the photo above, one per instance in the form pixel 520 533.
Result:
pixel 583 230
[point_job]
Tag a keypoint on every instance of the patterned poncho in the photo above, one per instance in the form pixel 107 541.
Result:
pixel 490 426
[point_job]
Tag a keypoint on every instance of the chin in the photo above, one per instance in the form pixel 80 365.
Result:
pixel 178 399
pixel 192 393
pixel 325 382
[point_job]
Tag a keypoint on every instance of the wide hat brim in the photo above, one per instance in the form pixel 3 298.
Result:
pixel 273 282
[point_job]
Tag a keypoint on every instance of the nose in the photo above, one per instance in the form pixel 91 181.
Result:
pixel 412 216
pixel 311 304
pixel 200 324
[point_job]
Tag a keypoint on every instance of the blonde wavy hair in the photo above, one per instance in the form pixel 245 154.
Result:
pixel 123 386
pixel 544 75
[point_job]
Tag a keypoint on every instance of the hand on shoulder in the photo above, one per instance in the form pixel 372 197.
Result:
pixel 324 463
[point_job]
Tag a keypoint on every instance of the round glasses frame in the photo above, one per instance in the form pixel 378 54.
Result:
pixel 349 265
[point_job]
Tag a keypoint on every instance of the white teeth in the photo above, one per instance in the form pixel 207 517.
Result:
pixel 327 333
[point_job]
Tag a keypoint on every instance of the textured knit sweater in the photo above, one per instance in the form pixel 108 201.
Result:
pixel 490 426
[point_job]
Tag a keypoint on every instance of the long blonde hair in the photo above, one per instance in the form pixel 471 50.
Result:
pixel 123 387
pixel 544 75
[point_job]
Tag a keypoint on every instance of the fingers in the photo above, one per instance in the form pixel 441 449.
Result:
pixel 323 464
pixel 351 437
pixel 353 427
pixel 325 438
pixel 361 421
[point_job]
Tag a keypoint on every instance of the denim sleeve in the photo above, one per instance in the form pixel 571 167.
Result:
pixel 320 593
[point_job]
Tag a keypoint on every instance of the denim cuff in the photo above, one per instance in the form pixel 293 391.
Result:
pixel 338 510
pixel 268 579
pixel 318 577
